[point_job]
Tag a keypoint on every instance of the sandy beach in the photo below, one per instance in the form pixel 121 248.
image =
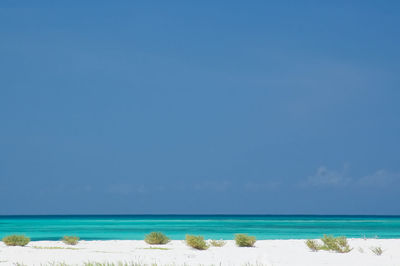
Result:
pixel 265 252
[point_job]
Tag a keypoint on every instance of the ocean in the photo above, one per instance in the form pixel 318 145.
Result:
pixel 134 227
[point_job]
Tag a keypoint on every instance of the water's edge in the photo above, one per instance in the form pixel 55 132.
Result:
pixel 134 227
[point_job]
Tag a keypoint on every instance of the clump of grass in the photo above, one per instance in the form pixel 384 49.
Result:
pixel 217 243
pixel 39 247
pixel 93 263
pixel 70 240
pixel 337 244
pixel 16 240
pixel 157 248
pixel 313 245
pixel 377 250
pixel 243 240
pixel 119 263
pixel 196 242
pixel 156 238
pixel 330 243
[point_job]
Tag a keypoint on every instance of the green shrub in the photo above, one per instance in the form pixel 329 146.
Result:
pixel 243 240
pixel 313 245
pixel 377 250
pixel 70 240
pixel 217 243
pixel 16 240
pixel 156 238
pixel 196 242
pixel 338 244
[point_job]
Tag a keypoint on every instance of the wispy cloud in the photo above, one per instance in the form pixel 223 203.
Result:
pixel 380 178
pixel 325 177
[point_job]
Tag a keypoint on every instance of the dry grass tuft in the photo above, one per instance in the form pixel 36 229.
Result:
pixel 196 242
pixel 243 240
pixel 377 250
pixel 217 243
pixel 70 240
pixel 16 240
pixel 156 238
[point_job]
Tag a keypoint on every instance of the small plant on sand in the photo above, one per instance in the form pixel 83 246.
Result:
pixel 119 263
pixel 313 245
pixel 157 248
pixel 217 243
pixel 196 242
pixel 330 243
pixel 16 240
pixel 70 240
pixel 243 240
pixel 377 250
pixel 337 244
pixel 39 247
pixel 156 238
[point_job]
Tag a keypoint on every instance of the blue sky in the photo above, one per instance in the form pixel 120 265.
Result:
pixel 276 107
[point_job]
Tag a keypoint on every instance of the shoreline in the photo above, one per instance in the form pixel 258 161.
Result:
pixel 266 252
pixel 175 227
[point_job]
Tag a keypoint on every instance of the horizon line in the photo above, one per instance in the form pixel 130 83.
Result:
pixel 207 214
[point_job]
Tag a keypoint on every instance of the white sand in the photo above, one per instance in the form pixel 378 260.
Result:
pixel 265 252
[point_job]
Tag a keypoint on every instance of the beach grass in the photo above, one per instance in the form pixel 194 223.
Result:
pixel 16 240
pixel 313 245
pixel 337 244
pixel 196 242
pixel 70 240
pixel 217 243
pixel 244 240
pixel 156 238
pixel 159 248
pixel 120 263
pixel 123 263
pixel 40 247
pixel 330 243
pixel 377 250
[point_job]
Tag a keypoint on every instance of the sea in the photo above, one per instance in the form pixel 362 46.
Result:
pixel 135 227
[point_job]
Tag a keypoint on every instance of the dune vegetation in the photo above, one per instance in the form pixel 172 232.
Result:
pixel 70 240
pixel 16 240
pixel 156 238
pixel 377 250
pixel 217 243
pixel 243 240
pixel 196 242
pixel 330 243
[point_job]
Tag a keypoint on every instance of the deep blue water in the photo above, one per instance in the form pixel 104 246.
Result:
pixel 101 227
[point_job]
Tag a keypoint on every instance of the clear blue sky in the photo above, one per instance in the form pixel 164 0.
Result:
pixel 199 107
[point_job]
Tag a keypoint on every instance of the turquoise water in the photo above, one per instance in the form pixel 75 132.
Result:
pixel 103 227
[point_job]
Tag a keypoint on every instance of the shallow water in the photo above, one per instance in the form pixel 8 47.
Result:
pixel 102 227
